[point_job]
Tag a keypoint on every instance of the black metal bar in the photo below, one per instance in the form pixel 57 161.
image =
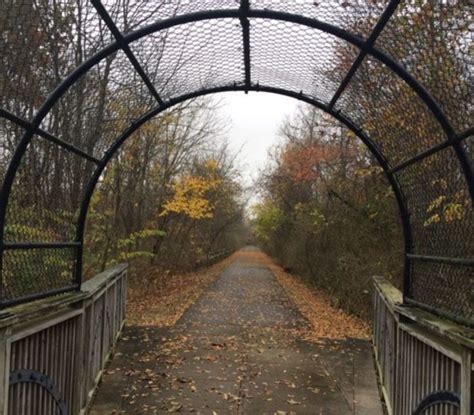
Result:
pixel 348 78
pixel 466 262
pixel 38 131
pixel 44 381
pixel 244 21
pixel 124 45
pixel 404 215
pixel 432 150
pixel 465 134
pixel 420 156
pixel 384 18
pixel 440 313
pixel 438 398
pixel 466 167
pixel 39 245
pixel 39 296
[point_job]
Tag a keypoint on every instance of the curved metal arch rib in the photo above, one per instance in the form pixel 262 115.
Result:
pixel 438 398
pixel 39 378
pixel 407 234
pixel 235 13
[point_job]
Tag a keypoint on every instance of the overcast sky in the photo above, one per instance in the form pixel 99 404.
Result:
pixel 254 122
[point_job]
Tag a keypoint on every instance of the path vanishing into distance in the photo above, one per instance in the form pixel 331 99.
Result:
pixel 237 350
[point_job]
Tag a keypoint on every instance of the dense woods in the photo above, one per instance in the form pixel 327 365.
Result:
pixel 327 211
pixel 172 197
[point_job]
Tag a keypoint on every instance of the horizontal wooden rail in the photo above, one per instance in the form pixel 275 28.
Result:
pixel 216 255
pixel 421 359
pixel 53 351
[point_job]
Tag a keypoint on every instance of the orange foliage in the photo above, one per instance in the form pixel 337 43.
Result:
pixel 303 163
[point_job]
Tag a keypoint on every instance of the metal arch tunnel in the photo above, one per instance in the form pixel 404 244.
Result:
pixel 366 46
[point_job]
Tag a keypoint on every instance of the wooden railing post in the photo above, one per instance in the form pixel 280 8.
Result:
pixel 386 319
pixel 79 358
pixel 5 334
pixel 466 382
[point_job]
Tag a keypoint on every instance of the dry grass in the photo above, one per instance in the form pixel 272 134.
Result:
pixel 159 299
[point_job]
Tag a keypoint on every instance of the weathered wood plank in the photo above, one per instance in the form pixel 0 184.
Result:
pixel 5 334
pixel 389 294
pixel 466 379
pixel 459 334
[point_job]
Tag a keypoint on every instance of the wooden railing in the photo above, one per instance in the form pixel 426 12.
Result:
pixel 424 362
pixel 216 256
pixel 53 351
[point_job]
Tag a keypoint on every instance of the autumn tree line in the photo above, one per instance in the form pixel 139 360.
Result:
pixel 172 197
pixel 327 212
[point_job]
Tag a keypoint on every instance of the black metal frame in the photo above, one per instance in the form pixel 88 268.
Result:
pixel 244 13
pixel 51 138
pixel 386 15
pixel 438 398
pixel 244 21
pixel 39 378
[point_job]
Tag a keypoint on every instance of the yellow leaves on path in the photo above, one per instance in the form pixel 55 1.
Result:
pixel 326 321
pixel 163 299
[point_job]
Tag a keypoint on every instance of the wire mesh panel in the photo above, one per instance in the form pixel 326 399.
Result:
pixel 46 194
pixel 99 106
pixel 444 287
pixel 390 111
pixel 10 135
pixel 193 56
pixel 358 17
pixel 132 15
pixel 440 206
pixel 42 41
pixel 433 40
pixel 27 272
pixel 468 145
pixel 297 58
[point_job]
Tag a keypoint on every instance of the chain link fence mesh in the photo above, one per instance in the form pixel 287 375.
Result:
pixel 46 194
pixel 32 271
pixel 297 58
pixel 434 41
pixel 193 56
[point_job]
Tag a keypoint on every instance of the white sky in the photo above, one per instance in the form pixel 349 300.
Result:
pixel 254 122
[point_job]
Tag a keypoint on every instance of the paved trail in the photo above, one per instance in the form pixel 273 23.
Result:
pixel 236 351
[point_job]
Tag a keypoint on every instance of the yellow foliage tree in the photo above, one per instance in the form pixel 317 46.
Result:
pixel 190 194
